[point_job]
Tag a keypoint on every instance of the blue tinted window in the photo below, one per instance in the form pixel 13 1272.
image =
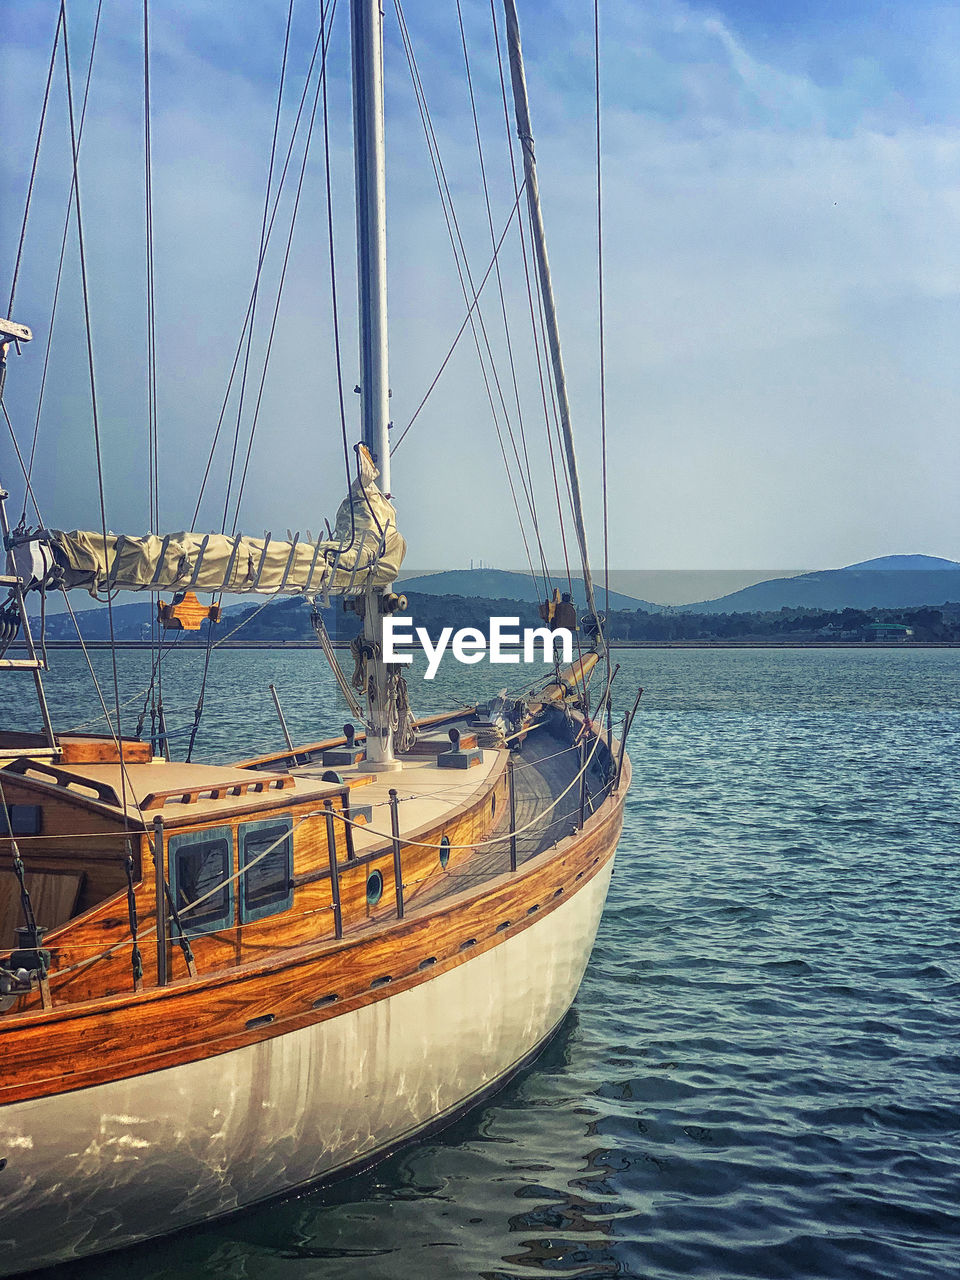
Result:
pixel 201 864
pixel 24 819
pixel 266 856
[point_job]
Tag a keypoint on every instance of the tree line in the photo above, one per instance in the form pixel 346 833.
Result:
pixel 289 621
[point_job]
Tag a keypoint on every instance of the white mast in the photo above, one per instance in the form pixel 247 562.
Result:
pixel 367 42
pixel 525 132
pixel 366 35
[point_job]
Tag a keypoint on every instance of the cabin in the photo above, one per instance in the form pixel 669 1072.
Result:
pixel 265 854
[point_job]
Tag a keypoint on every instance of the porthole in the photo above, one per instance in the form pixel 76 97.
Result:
pixel 444 850
pixel 493 806
pixel 374 888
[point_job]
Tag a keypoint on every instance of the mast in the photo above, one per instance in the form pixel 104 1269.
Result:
pixel 366 19
pixel 525 133
pixel 366 39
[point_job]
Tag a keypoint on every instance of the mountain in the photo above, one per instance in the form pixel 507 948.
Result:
pixel 925 564
pixel 501 584
pixel 130 621
pixel 889 582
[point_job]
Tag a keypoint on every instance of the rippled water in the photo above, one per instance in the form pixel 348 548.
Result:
pixel 759 1077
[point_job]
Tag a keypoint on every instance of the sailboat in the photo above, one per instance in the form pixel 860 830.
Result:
pixel 231 982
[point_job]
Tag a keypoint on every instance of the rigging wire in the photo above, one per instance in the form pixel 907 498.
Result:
pixel 262 253
pixel 541 358
pixel 60 262
pixel 322 43
pixel 36 159
pixel 466 320
pixel 503 301
pixel 243 329
pixel 538 313
pixel 539 326
pixel 16 448
pixel 93 383
pixel 153 471
pixel 601 341
pixel 601 315
pixel 153 447
pixel 335 318
pixel 465 277
pixel 252 311
pixel 460 255
pixel 321 82
pixel 463 326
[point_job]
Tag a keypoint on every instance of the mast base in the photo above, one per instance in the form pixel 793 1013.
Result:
pixel 380 766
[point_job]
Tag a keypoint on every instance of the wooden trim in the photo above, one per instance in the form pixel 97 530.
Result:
pixel 54 791
pixel 65 782
pixel 74 1046
pixel 225 790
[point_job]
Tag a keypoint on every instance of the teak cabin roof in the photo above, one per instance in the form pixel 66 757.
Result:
pixel 177 792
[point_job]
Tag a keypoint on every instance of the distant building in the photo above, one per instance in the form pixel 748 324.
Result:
pixel 887 631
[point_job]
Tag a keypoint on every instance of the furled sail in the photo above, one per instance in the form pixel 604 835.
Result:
pixel 366 550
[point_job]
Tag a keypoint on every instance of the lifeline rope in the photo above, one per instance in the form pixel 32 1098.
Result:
pixel 387 836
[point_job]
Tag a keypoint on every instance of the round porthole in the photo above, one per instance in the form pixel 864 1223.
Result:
pixel 444 850
pixel 374 888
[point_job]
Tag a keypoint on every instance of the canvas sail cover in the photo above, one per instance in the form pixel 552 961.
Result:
pixel 366 549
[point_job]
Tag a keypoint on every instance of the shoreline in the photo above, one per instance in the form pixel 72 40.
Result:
pixel 614 644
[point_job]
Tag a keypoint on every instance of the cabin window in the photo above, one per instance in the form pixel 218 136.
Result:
pixel 444 851
pixel 266 858
pixel 201 867
pixel 22 819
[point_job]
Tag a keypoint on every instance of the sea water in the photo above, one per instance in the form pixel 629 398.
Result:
pixel 760 1075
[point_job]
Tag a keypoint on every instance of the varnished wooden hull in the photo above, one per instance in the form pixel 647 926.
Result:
pixel 115 1162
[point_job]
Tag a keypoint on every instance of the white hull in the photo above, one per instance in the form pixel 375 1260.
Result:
pixel 104 1167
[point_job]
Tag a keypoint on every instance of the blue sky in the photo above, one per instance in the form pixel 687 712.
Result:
pixel 783 259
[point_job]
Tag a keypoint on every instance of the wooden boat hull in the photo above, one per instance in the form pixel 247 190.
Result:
pixel 111 1164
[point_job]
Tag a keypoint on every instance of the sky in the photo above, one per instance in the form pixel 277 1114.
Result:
pixel 781 249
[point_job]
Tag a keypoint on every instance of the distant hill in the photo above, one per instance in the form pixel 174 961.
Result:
pixel 925 564
pixel 502 584
pixel 461 596
pixel 889 582
pixel 132 621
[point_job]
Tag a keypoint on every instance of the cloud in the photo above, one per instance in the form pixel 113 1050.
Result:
pixel 782 264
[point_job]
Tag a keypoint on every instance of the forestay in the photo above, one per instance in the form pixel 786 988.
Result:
pixel 366 549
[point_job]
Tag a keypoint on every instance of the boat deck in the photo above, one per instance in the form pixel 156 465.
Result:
pixel 544 771
pixel 90 808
